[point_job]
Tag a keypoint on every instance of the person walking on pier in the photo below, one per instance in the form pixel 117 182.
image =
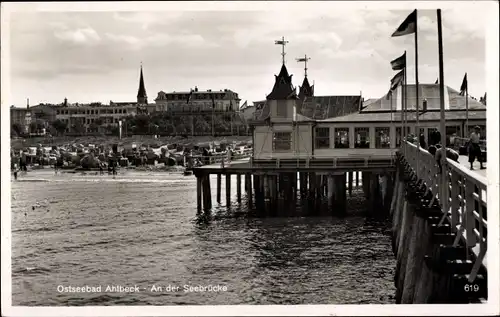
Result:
pixel 437 152
pixel 422 141
pixel 474 149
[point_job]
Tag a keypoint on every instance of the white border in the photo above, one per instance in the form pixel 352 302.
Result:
pixel 491 308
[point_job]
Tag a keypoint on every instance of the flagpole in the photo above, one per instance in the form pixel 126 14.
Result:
pixel 444 172
pixel 417 112
pixel 391 107
pixel 406 104
pixel 467 110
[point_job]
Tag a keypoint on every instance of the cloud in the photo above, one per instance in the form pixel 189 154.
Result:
pixel 78 36
pixel 232 49
pixel 160 40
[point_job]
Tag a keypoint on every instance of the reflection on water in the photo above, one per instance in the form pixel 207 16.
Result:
pixel 141 229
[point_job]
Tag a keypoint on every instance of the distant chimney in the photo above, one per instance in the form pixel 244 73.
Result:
pixel 65 102
pixel 28 103
pixel 424 108
pixel 195 88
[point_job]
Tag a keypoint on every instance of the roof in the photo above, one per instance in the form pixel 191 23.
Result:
pixel 396 116
pixel 323 107
pixel 283 88
pixel 430 92
pixel 197 92
pixel 306 90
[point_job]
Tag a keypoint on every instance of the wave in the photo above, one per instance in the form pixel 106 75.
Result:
pixel 112 180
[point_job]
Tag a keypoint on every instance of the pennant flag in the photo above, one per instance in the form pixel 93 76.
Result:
pixel 484 99
pixel 389 95
pixel 463 87
pixel 408 26
pixel 397 79
pixel 189 97
pixel 399 63
pixel 437 81
pixel 244 105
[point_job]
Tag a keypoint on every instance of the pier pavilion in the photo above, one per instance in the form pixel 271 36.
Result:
pixel 309 146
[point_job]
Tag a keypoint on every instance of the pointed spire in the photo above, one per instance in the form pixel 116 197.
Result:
pixel 142 97
pixel 283 88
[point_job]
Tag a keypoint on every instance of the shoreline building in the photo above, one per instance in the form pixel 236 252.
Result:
pixel 198 101
pixel 91 117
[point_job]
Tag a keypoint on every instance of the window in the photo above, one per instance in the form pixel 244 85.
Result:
pixel 281 109
pixel 361 138
pixel 341 138
pixel 382 138
pixel 282 141
pixel 322 138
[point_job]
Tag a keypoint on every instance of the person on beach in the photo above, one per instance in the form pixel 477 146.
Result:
pixel 15 171
pixel 437 152
pixel 474 149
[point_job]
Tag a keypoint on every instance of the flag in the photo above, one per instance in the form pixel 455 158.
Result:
pixel 389 95
pixel 463 87
pixel 282 42
pixel 397 79
pixel 484 99
pixel 408 26
pixel 399 63
pixel 189 97
pixel 244 105
pixel 437 81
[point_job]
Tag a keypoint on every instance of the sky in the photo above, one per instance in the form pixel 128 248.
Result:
pixel 96 55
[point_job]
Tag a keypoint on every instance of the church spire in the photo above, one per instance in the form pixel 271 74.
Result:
pixel 142 97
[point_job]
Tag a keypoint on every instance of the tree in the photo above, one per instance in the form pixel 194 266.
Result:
pixel 78 127
pixel 60 126
pixel 17 129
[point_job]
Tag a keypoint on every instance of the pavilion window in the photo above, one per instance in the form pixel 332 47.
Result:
pixel 282 141
pixel 342 138
pixel 281 109
pixel 362 138
pixel 382 138
pixel 322 138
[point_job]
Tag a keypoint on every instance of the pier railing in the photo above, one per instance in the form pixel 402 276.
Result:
pixel 465 195
pixel 220 157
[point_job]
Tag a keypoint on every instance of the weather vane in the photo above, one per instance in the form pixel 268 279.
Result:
pixel 282 42
pixel 304 60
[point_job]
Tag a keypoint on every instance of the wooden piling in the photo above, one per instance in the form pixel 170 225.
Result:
pixel 274 192
pixel 248 187
pixel 331 193
pixel 207 195
pixel 350 183
pixel 199 185
pixel 228 190
pixel 238 188
pixel 357 179
pixel 219 181
pixel 248 182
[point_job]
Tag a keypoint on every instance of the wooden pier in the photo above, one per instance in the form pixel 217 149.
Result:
pixel 449 224
pixel 280 188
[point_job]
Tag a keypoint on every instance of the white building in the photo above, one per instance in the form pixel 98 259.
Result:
pixel 195 101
